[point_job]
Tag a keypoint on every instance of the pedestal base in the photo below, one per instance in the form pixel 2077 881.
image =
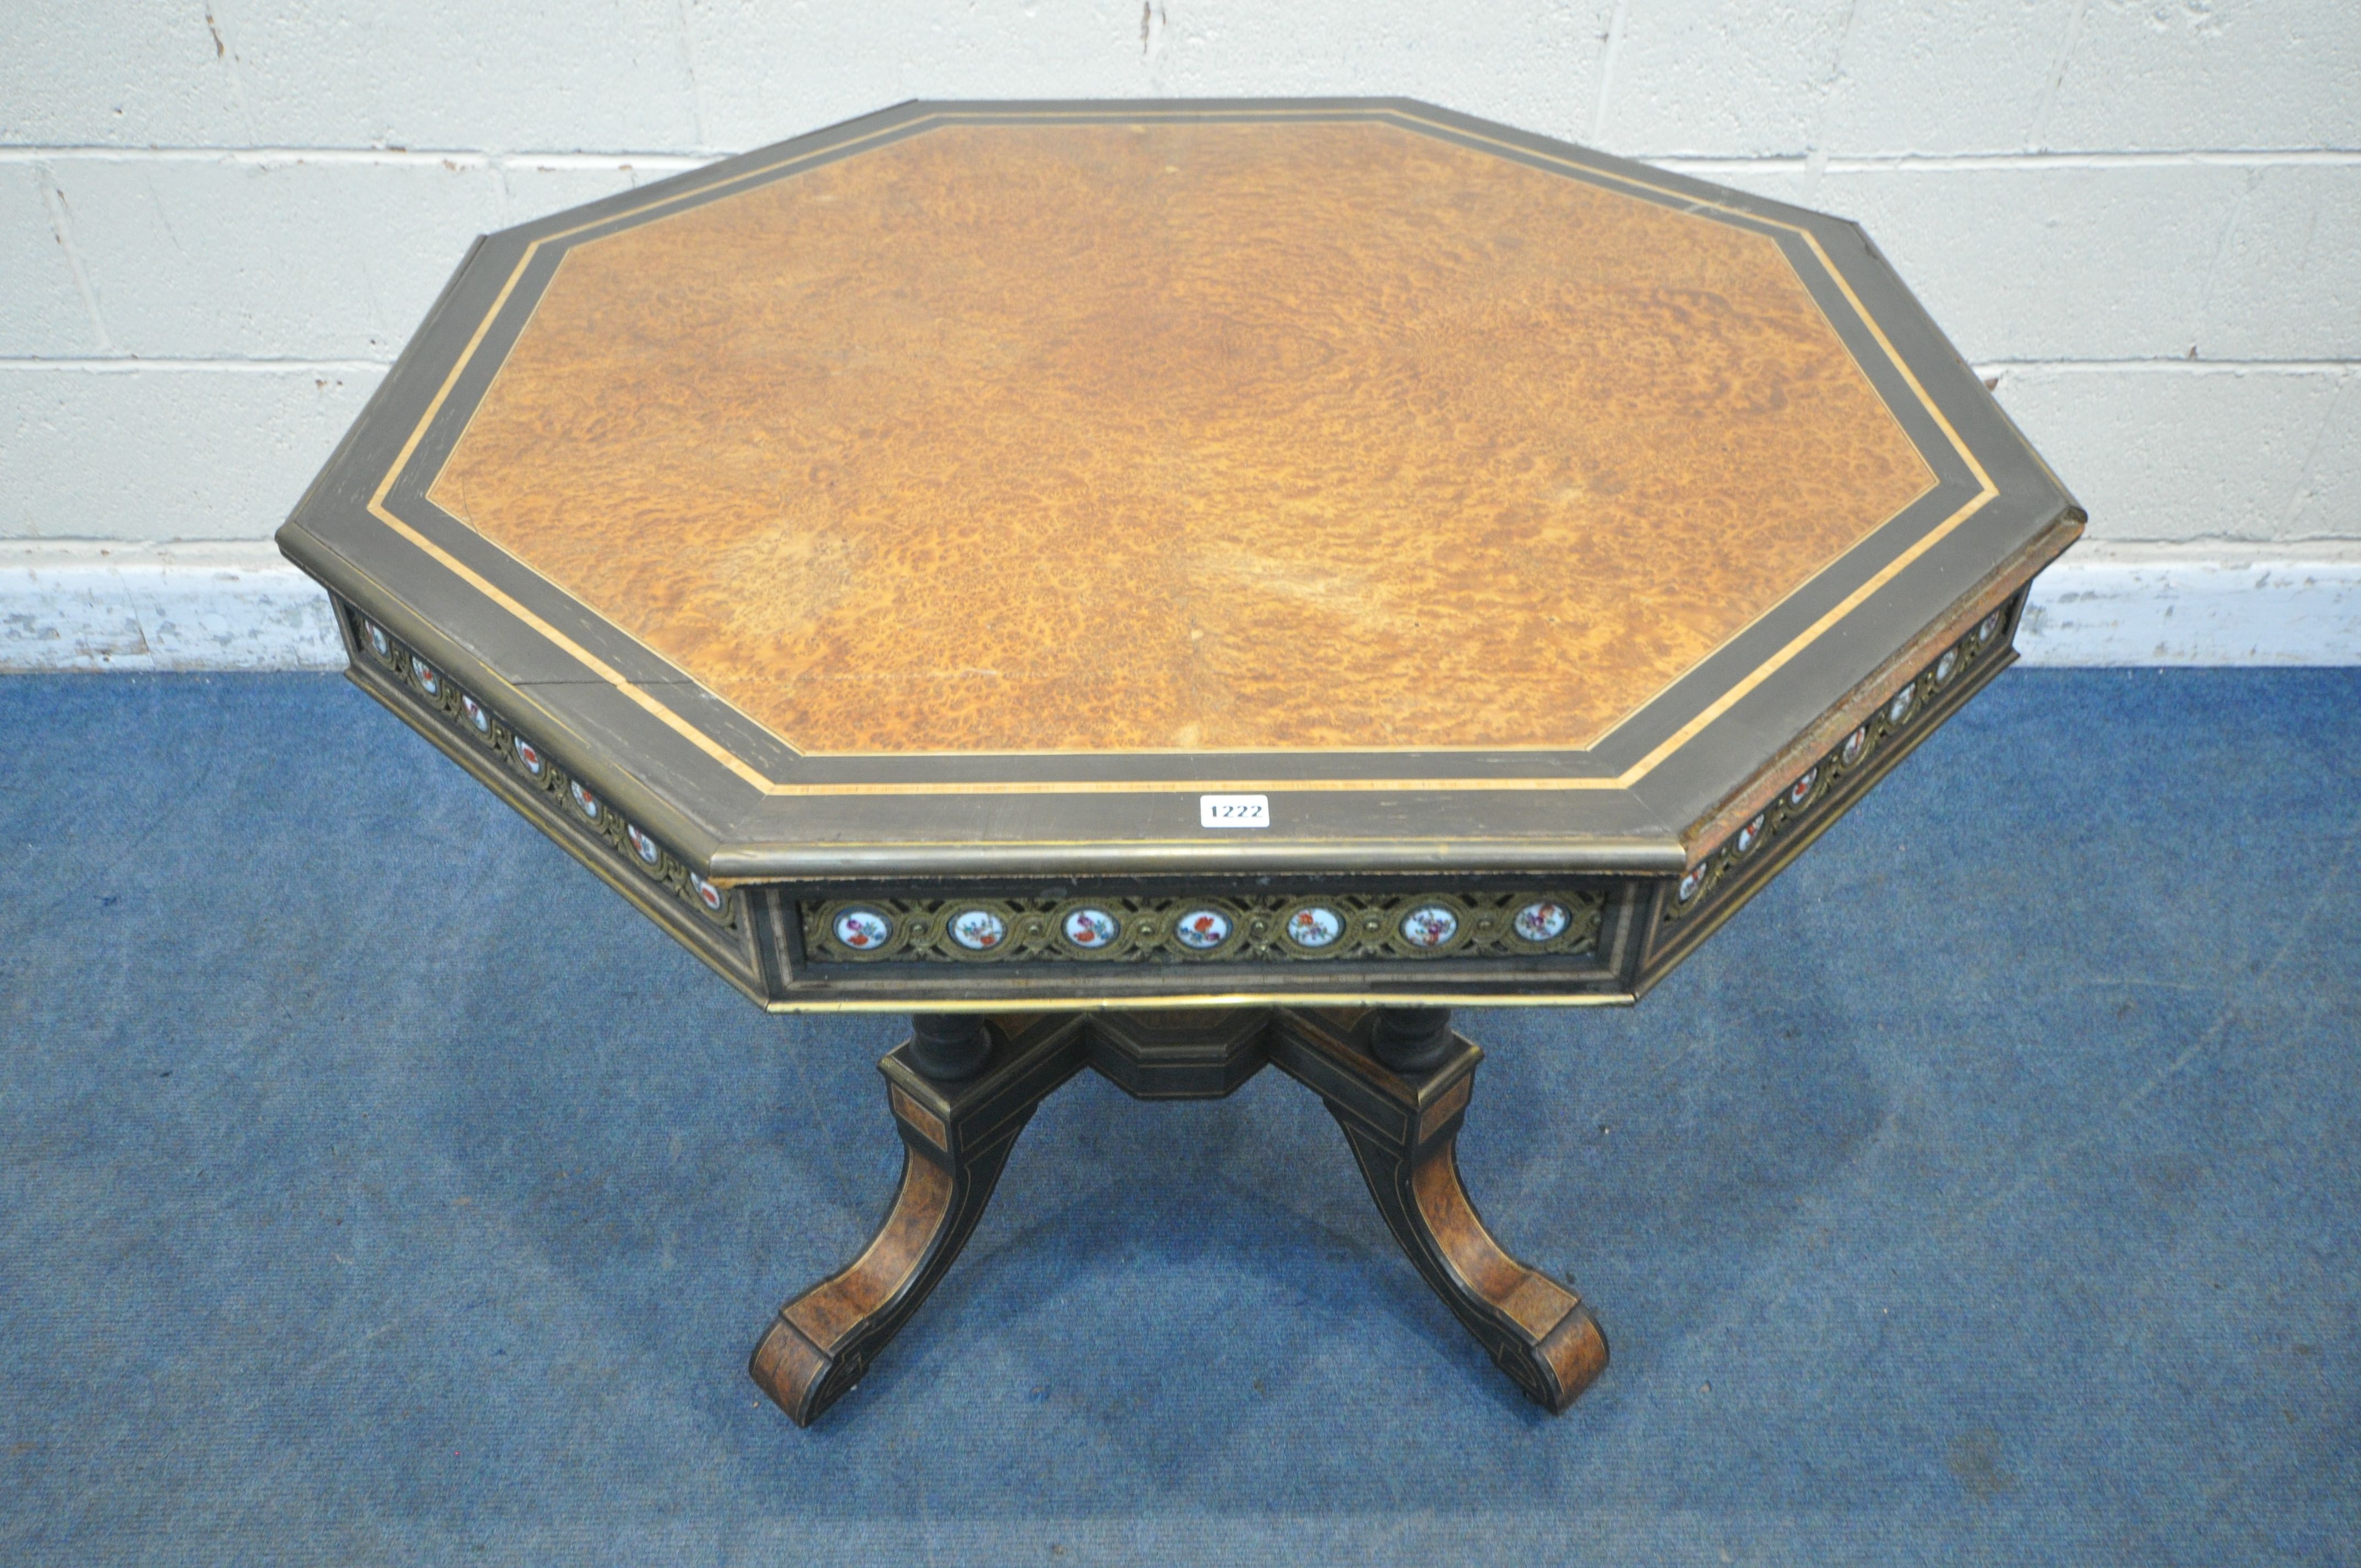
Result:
pixel 1402 1122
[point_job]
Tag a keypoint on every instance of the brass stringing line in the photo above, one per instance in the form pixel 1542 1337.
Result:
pixel 476 581
pixel 767 785
pixel 1160 1001
pixel 1986 490
pixel 1408 847
pixel 1805 233
pixel 1780 818
pixel 401 665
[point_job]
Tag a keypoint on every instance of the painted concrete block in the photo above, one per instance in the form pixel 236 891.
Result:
pixel 765 72
pixel 2287 280
pixel 530 190
pixel 2115 261
pixel 2327 503
pixel 1750 78
pixel 2159 453
pixel 1726 78
pixel 1535 65
pixel 2018 263
pixel 2193 74
pixel 41 309
pixel 445 74
pixel 555 75
pixel 1934 77
pixel 290 258
pixel 149 453
pixel 194 258
pixel 117 73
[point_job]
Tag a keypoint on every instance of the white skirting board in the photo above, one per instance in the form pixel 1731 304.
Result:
pixel 2197 604
pixel 234 606
pixel 238 606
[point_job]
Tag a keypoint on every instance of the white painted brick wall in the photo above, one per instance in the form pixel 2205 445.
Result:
pixel 2230 453
pixel 178 450
pixel 2143 221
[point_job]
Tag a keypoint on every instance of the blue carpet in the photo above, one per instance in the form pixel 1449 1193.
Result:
pixel 374 1186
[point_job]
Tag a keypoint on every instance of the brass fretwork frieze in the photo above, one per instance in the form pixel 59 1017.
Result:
pixel 1809 793
pixel 1306 928
pixel 465 715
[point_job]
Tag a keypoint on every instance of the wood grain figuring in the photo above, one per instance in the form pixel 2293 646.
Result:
pixel 922 1121
pixel 788 1367
pixel 824 1340
pixel 1575 1354
pixel 1196 436
pixel 1531 1300
pixel 829 1313
pixel 1537 1330
pixel 1453 1101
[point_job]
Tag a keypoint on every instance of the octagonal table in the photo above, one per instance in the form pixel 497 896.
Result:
pixel 1173 587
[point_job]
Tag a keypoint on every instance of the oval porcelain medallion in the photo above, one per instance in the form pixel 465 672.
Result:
pixel 978 930
pixel 1429 926
pixel 1314 926
pixel 862 930
pixel 1090 929
pixel 1542 921
pixel 1202 929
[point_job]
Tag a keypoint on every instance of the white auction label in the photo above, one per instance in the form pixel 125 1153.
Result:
pixel 1233 810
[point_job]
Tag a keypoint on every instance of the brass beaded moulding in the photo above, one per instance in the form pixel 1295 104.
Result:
pixel 466 715
pixel 1260 929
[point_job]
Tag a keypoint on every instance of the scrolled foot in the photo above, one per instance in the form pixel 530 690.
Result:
pixel 823 1339
pixel 1403 1127
pixel 956 1138
pixel 801 1378
pixel 1538 1331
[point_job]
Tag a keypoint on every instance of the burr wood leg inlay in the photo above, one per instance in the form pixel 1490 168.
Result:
pixel 1402 1121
